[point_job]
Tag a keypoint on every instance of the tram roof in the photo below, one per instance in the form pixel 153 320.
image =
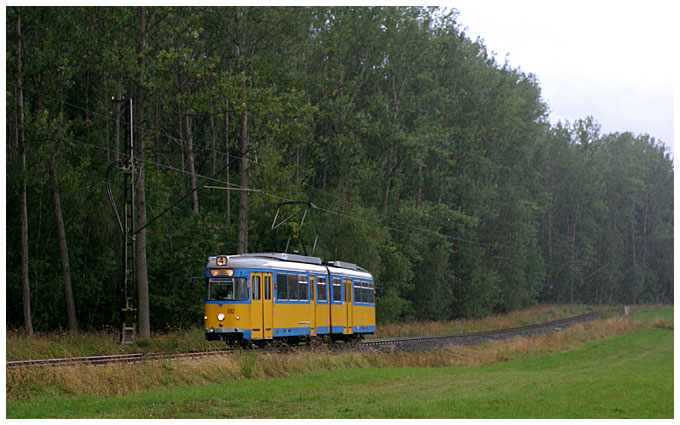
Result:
pixel 291 262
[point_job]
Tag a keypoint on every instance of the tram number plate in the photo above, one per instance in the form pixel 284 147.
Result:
pixel 230 311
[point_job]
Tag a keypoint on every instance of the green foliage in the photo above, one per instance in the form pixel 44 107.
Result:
pixel 430 164
pixel 598 227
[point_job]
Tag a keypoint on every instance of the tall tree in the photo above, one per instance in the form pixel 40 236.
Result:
pixel 242 246
pixel 146 20
pixel 23 209
pixel 61 237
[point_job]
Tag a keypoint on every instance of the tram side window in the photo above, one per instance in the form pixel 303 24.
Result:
pixel 267 288
pixel 321 289
pixel 242 290
pixel 371 292
pixel 292 287
pixel 256 287
pixel 312 285
pixel 337 289
pixel 357 291
pixel 303 287
pixel 281 286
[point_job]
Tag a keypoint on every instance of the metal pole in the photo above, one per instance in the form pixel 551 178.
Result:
pixel 129 311
pixel 132 211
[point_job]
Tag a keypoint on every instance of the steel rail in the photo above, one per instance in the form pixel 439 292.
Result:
pixel 117 358
pixel 401 343
pixel 479 337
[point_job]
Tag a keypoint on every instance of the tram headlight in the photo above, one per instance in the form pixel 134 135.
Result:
pixel 221 260
pixel 220 317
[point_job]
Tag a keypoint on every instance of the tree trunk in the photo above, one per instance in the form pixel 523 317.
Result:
pixel 192 166
pixel 391 164
pixel 324 181
pixel 144 321
pixel 26 287
pixel 386 195
pixel 550 243
pixel 636 283
pixel 297 163
pixel 13 145
pixel 180 126
pixel 108 131
pixel 421 180
pixel 116 109
pixel 644 244
pixel 213 141
pixel 243 204
pixel 573 262
pixel 87 100
pixel 157 127
pixel 242 246
pixel 227 161
pixel 23 210
pixel 63 247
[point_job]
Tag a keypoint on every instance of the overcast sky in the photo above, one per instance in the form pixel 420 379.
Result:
pixel 616 61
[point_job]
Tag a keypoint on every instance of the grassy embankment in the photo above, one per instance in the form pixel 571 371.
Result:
pixel 57 345
pixel 615 367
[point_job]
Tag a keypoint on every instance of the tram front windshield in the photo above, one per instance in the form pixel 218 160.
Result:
pixel 227 289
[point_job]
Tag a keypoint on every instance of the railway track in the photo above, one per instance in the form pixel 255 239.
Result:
pixel 383 345
pixel 436 341
pixel 116 358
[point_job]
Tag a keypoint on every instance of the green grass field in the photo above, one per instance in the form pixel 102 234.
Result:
pixel 626 376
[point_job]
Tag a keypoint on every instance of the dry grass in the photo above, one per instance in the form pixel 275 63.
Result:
pixel 660 323
pixel 565 340
pixel 44 345
pixel 120 379
pixel 123 379
pixel 96 343
pixel 530 316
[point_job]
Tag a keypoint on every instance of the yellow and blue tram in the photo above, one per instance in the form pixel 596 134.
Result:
pixel 287 297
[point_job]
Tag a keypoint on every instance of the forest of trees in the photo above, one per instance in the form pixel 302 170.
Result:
pixel 427 162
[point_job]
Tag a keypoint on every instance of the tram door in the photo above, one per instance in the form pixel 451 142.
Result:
pixel 256 310
pixel 337 307
pixel 312 303
pixel 261 306
pixel 348 305
pixel 267 306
